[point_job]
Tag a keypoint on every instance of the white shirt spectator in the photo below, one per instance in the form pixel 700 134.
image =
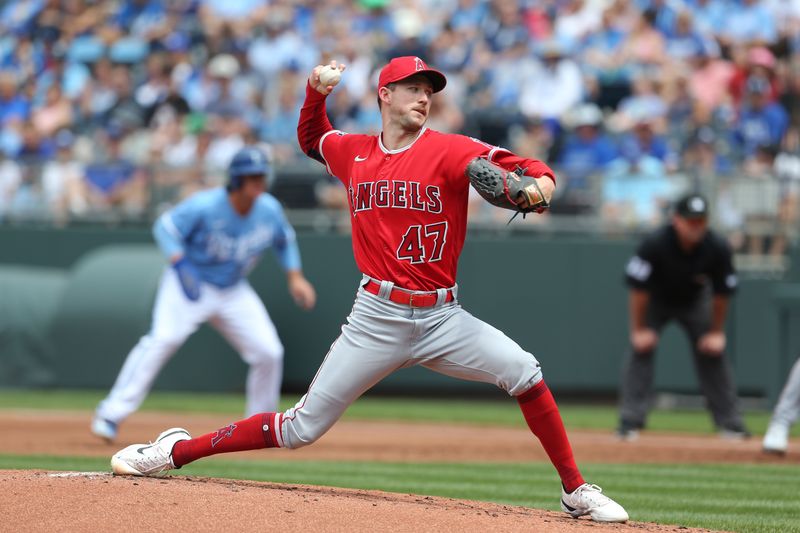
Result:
pixel 221 152
pixel 579 19
pixel 551 92
pixel 61 183
pixel 10 178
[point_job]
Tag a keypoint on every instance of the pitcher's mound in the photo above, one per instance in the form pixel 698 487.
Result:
pixel 98 501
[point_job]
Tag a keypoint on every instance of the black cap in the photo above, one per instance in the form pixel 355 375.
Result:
pixel 692 206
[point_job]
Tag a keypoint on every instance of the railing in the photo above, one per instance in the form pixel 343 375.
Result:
pixel 759 215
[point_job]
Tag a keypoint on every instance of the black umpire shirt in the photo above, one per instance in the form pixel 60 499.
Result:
pixel 675 277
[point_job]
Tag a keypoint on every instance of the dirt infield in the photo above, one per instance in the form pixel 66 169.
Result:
pixel 42 501
pixel 89 502
pixel 66 433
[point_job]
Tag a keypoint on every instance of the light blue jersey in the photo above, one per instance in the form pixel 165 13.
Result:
pixel 221 243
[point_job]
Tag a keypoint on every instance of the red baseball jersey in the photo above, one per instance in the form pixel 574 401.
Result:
pixel 408 206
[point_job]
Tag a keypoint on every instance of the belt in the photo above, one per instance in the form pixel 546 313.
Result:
pixel 412 299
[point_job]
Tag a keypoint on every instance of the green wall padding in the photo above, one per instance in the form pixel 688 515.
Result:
pixel 562 298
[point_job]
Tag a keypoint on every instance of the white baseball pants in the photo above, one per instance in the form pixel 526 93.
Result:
pixel 787 410
pixel 381 336
pixel 236 312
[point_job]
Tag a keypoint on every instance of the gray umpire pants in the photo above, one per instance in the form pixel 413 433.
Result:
pixel 713 373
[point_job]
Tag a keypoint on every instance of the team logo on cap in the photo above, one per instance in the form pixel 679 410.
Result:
pixel 697 204
pixel 419 64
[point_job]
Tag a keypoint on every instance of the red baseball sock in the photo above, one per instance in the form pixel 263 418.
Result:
pixel 541 413
pixel 258 431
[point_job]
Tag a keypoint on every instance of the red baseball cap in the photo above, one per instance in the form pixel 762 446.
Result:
pixel 401 68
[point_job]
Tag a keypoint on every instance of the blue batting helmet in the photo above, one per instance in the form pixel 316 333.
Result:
pixel 249 161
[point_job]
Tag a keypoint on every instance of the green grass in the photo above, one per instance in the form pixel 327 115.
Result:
pixel 745 498
pixel 490 412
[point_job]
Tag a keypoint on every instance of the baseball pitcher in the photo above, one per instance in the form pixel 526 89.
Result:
pixel 408 190
pixel 213 240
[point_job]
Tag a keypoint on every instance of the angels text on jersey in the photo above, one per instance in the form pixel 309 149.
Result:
pixel 395 194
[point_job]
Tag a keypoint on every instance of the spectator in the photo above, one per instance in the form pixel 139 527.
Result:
pixel 10 179
pixel 710 15
pixel 157 83
pixel 644 139
pixel 278 127
pixel 585 156
pixel 749 23
pixel 760 122
pixel 710 77
pixel 645 47
pixel 237 16
pixel 787 170
pixel 635 189
pixel 228 131
pixel 468 15
pixel 644 104
pixel 576 20
pixel 278 46
pixel 220 98
pixel 126 110
pixel 408 27
pixel 99 95
pixel 684 41
pixel 758 195
pixel 34 147
pixel 608 76
pixel 790 99
pixel 759 62
pixel 705 158
pixel 145 19
pixel 114 182
pixel 554 88
pixel 503 28
pixel 14 107
pixel 64 181
pixel 54 114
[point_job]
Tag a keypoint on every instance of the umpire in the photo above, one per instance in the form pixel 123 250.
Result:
pixel 682 271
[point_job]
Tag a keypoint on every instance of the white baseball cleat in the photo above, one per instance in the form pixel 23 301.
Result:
pixel 776 439
pixel 105 429
pixel 589 499
pixel 152 459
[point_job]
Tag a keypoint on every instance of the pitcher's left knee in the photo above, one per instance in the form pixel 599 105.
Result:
pixel 522 374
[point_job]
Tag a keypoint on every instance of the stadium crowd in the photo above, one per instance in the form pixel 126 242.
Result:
pixel 116 108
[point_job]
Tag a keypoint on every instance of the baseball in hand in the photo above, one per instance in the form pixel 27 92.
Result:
pixel 329 76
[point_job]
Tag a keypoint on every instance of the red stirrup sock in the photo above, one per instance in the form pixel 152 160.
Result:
pixel 259 431
pixel 541 413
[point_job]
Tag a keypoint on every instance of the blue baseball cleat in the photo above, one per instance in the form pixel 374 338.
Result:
pixel 105 429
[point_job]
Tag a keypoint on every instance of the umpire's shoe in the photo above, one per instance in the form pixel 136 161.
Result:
pixel 589 499
pixel 152 459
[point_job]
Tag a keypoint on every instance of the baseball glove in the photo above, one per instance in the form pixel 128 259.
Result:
pixel 509 190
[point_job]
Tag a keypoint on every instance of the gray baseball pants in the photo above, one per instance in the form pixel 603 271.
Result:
pixel 381 336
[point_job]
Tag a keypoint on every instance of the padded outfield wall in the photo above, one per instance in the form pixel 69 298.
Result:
pixel 84 296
